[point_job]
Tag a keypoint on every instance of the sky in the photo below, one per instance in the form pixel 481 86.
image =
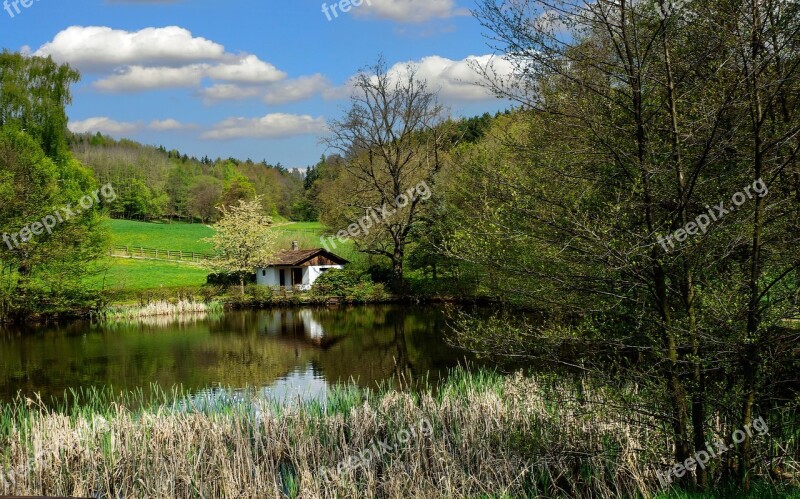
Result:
pixel 250 79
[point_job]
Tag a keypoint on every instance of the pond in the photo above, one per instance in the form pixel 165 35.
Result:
pixel 285 352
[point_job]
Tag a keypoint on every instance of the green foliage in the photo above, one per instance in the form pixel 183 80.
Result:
pixel 339 282
pixel 157 183
pixel 350 285
pixel 34 93
pixel 252 295
pixel 43 273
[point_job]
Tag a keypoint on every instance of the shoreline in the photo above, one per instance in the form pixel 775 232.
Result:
pixel 230 302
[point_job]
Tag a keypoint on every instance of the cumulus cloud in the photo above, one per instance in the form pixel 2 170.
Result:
pixel 297 89
pixel 456 80
pixel 108 126
pixel 409 11
pixel 276 125
pixel 226 91
pixel 168 125
pixel 103 125
pixel 94 48
pixel 138 78
pixel 154 58
pixel 247 69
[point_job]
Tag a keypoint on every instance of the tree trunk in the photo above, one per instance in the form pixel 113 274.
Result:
pixel 677 394
pixel 751 353
pixel 687 284
pixel 398 283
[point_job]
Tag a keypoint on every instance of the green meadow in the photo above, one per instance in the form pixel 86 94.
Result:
pixel 133 275
pixel 160 235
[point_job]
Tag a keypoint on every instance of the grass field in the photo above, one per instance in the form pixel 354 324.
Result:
pixel 190 237
pixel 124 274
pixel 138 275
pixel 174 236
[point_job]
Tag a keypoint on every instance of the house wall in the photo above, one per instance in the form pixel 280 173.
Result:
pixel 268 277
pixel 271 276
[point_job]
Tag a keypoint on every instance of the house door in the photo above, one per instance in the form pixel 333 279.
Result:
pixel 297 277
pixel 282 278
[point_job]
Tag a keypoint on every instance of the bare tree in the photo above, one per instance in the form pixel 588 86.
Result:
pixel 392 141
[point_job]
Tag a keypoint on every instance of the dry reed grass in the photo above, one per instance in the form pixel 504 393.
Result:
pixel 161 308
pixel 493 437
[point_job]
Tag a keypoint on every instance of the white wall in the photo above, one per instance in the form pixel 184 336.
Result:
pixel 271 276
pixel 268 277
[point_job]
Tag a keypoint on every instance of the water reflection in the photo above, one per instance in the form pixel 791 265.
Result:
pixel 287 352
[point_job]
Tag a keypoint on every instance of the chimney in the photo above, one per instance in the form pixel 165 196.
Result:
pixel 295 246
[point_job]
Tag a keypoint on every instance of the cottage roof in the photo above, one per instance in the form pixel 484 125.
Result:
pixel 294 258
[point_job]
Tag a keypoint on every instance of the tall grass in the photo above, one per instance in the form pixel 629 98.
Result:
pixel 492 436
pixel 161 308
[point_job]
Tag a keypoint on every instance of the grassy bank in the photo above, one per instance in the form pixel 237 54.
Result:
pixel 478 435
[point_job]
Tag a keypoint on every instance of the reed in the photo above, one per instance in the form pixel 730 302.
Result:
pixel 492 436
pixel 161 308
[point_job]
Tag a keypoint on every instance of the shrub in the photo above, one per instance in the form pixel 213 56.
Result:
pixel 380 273
pixel 210 292
pixel 225 279
pixel 258 294
pixel 341 283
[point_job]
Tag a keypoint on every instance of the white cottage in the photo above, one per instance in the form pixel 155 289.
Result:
pixel 298 269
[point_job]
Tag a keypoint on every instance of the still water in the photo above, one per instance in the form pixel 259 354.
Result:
pixel 284 352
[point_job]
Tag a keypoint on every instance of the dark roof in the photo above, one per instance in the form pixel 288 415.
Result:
pixel 299 257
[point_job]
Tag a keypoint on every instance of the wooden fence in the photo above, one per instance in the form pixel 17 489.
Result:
pixel 159 254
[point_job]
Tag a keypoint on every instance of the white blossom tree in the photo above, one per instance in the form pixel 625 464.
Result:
pixel 244 240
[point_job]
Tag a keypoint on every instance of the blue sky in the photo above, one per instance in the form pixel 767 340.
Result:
pixel 246 78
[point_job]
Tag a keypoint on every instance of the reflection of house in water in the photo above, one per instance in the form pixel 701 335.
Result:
pixel 299 327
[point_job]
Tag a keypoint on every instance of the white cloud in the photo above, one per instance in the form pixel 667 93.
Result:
pixel 223 92
pixel 297 89
pixel 283 92
pixel 94 48
pixel 154 58
pixel 138 78
pixel 168 125
pixel 103 125
pixel 409 11
pixel 247 69
pixel 277 125
pixel 455 80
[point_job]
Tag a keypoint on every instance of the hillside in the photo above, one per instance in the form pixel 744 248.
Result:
pixel 155 183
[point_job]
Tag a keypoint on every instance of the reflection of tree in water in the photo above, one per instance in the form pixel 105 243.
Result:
pixel 238 349
pixel 403 368
pixel 389 342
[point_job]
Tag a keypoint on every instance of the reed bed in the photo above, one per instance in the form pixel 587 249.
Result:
pixel 161 308
pixel 492 436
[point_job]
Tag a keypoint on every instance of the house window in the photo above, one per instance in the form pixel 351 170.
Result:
pixel 264 273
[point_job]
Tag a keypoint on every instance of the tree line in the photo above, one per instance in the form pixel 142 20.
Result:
pixel 156 183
